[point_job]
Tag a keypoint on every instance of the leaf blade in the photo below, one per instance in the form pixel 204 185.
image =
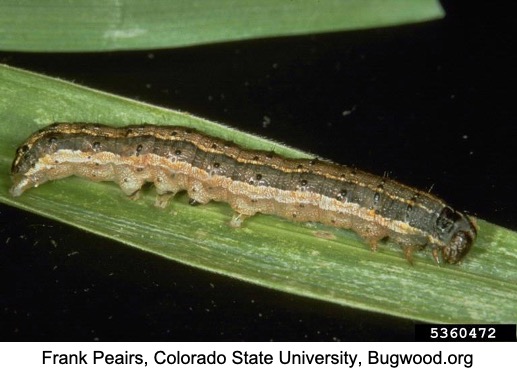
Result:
pixel 84 25
pixel 314 261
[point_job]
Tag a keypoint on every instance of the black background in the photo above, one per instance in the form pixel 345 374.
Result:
pixel 431 104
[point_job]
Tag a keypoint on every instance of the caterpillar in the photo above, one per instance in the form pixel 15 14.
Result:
pixel 177 158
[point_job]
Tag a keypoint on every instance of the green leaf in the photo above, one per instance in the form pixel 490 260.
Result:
pixel 309 260
pixel 100 25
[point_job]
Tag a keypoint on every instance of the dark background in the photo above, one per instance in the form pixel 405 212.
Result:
pixel 431 104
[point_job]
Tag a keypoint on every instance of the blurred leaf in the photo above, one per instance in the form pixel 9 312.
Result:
pixel 102 25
